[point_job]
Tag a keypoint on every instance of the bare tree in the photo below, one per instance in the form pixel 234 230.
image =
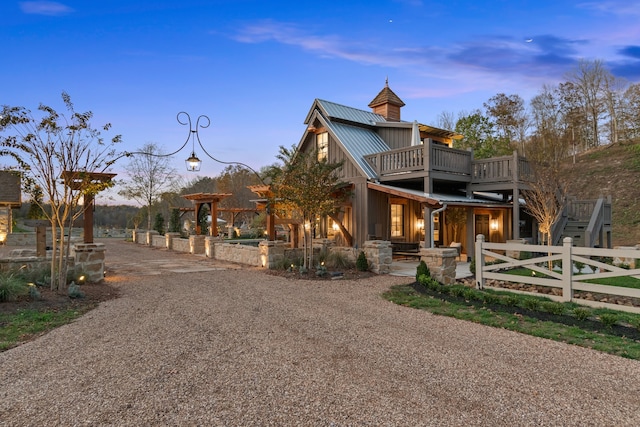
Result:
pixel 446 120
pixel 589 78
pixel 150 175
pixel 545 200
pixel 47 146
pixel 510 117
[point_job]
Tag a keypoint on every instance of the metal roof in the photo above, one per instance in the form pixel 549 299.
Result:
pixel 433 198
pixel 359 142
pixel 337 111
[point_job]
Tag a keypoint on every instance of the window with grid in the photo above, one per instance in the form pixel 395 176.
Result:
pixel 397 220
pixel 322 146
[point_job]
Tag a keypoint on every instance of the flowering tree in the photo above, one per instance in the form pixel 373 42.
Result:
pixel 48 147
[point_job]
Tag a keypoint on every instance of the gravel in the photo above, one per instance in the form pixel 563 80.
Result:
pixel 238 347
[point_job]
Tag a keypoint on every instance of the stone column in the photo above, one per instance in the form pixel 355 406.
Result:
pixel 379 254
pixel 210 245
pixel 150 235
pixel 196 244
pixel 168 237
pixel 89 260
pixel 441 263
pixel 271 253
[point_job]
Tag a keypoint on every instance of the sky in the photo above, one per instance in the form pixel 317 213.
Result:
pixel 254 67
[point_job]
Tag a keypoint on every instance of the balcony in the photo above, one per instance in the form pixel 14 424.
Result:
pixel 447 163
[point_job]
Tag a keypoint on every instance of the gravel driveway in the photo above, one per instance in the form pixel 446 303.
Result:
pixel 222 345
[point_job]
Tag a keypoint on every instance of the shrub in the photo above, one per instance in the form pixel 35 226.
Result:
pixel 361 263
pixel 579 266
pixel 581 313
pixel 457 291
pixel 531 303
pixel 321 270
pixel 470 294
pixel 422 269
pixel 34 293
pixel 339 260
pixel 609 319
pixel 490 299
pixel 12 286
pixel 553 307
pixel 74 291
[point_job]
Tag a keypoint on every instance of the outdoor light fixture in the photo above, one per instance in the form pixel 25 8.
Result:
pixel 193 162
pixel 494 224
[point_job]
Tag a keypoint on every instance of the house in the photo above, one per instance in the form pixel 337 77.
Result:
pixel 10 198
pixel 410 186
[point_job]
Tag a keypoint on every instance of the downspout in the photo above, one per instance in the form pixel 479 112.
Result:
pixel 433 214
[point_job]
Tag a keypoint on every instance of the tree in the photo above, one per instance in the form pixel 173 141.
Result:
pixel 174 221
pixel 509 116
pixel 45 147
pixel 479 135
pixel 545 199
pixel 306 187
pixel 589 78
pixel 150 174
pixel 158 224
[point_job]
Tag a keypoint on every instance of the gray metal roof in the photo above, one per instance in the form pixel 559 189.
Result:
pixel 337 111
pixel 439 198
pixel 359 142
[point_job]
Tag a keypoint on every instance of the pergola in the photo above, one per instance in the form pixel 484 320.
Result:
pixel 86 182
pixel 212 200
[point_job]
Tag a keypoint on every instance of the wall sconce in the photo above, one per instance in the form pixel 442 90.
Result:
pixel 335 226
pixel 420 224
pixel 494 225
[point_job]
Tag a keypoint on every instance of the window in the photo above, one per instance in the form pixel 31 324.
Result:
pixel 397 220
pixel 322 146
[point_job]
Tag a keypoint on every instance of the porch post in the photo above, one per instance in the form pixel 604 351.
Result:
pixel 427 226
pixel 515 226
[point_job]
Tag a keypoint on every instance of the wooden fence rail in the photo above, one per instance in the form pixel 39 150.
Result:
pixel 566 279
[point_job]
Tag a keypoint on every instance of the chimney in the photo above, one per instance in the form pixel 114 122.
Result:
pixel 387 104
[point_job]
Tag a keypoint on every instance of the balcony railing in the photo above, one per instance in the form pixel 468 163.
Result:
pixel 412 159
pixel 452 161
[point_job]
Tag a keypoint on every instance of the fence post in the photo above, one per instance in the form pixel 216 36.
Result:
pixel 479 261
pixel 567 270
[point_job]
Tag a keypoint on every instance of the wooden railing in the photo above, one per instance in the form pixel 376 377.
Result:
pixel 450 160
pixel 566 278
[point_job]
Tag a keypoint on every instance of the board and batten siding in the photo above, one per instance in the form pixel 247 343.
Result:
pixel 395 137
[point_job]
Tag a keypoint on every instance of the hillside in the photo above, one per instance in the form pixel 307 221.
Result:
pixel 610 170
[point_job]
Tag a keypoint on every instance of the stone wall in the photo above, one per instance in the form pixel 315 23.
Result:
pixel 158 241
pixel 181 245
pixel 243 254
pixel 631 262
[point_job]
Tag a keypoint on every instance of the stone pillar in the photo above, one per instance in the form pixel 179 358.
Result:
pixel 441 263
pixel 137 236
pixel 89 260
pixel 150 235
pixel 271 253
pixel 196 244
pixel 168 237
pixel 210 245
pixel 379 255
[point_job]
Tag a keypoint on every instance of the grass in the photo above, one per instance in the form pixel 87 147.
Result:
pixel 604 330
pixel 26 324
pixel 622 281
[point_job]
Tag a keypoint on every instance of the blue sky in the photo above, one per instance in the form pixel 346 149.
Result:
pixel 255 67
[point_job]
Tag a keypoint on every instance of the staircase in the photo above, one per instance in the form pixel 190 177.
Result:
pixel 587 222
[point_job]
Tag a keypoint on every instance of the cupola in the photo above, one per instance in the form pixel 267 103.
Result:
pixel 387 104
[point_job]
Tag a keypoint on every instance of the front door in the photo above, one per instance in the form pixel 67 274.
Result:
pixel 482 226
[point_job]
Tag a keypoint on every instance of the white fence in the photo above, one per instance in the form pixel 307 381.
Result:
pixel 566 279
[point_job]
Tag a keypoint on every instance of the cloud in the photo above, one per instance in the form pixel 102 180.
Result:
pixel 613 7
pixel 503 58
pixel 48 8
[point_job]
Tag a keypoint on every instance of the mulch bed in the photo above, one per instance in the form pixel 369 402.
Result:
pixel 94 293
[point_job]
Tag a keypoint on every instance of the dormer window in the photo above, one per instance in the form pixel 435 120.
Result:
pixel 322 146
